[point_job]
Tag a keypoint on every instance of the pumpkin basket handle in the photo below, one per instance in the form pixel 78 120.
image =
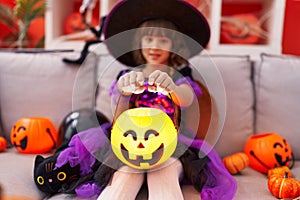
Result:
pixel 292 163
pixel 123 104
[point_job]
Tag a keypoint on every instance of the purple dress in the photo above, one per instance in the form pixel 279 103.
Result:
pixel 202 165
pixel 205 171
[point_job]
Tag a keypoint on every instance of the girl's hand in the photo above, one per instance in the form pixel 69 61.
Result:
pixel 131 82
pixel 160 82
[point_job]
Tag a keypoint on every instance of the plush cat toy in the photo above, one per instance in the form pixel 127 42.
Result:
pixel 71 169
pixel 50 180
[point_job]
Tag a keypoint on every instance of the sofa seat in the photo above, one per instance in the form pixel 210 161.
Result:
pixel 15 181
pixel 16 174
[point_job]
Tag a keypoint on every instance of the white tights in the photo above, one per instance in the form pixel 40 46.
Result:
pixel 163 183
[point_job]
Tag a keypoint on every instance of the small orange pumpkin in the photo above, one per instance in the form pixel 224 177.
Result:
pixel 75 23
pixel 282 186
pixel 236 162
pixel 267 151
pixel 34 135
pixel 280 171
pixel 3 144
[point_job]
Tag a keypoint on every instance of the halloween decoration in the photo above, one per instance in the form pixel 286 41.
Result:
pixel 85 50
pixel 280 171
pixel 241 29
pixel 75 23
pixel 76 121
pixel 71 170
pixel 33 135
pixel 143 137
pixel 16 19
pixel 236 162
pixel 267 151
pixel 36 33
pixel 51 180
pixel 282 186
pixel 3 144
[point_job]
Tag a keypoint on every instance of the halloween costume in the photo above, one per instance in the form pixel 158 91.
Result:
pixel 202 166
pixel 128 15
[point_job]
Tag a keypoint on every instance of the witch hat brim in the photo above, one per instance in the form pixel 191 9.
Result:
pixel 129 14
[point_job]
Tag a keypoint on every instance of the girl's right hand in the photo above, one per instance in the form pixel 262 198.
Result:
pixel 131 82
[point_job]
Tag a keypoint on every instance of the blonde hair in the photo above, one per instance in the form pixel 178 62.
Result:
pixel 160 27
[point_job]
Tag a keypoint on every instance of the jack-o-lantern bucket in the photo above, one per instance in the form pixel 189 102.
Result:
pixel 267 151
pixel 33 135
pixel 143 138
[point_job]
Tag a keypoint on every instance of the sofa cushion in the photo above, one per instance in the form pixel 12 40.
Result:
pixel 254 185
pixel 278 94
pixel 233 97
pixel 16 175
pixel 108 69
pixel 39 85
pixel 238 106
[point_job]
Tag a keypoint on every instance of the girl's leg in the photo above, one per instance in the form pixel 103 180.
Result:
pixel 125 184
pixel 163 183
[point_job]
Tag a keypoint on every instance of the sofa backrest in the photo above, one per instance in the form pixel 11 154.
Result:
pixel 277 87
pixel 41 85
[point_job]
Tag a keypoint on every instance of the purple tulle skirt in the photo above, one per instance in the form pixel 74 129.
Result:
pixel 220 185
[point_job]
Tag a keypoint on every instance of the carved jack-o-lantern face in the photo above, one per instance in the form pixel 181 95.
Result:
pixel 33 135
pixel 239 29
pixel 267 151
pixel 143 137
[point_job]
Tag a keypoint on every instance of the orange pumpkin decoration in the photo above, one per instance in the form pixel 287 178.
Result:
pixel 238 29
pixel 282 186
pixel 3 144
pixel 74 23
pixel 34 135
pixel 195 3
pixel 36 33
pixel 280 171
pixel 236 162
pixel 267 151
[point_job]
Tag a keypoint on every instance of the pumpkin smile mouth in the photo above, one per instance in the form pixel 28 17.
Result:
pixel 23 143
pixel 139 160
pixel 280 161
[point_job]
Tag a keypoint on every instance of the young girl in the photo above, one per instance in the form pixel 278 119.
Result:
pixel 160 77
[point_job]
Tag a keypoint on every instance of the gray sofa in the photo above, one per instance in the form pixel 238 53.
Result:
pixel 252 96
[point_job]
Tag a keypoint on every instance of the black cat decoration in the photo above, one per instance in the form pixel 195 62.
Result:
pixel 51 180
pixel 71 169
